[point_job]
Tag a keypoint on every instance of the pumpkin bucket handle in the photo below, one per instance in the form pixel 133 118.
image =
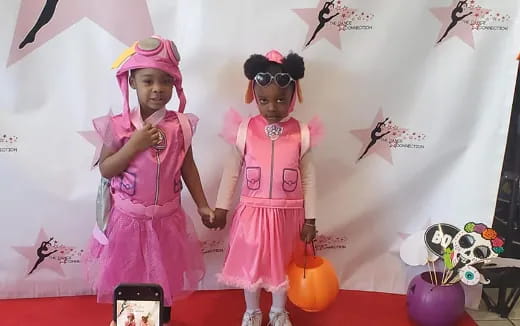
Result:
pixel 305 256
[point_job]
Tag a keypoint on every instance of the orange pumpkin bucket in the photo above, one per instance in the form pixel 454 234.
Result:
pixel 313 284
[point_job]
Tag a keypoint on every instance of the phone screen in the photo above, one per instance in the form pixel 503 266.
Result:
pixel 138 313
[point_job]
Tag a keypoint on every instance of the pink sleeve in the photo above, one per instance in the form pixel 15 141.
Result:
pixel 316 133
pixel 232 121
pixel 308 176
pixel 229 180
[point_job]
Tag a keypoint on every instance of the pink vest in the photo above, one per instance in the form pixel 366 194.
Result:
pixel 271 169
pixel 153 177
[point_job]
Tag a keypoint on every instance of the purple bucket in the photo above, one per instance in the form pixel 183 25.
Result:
pixel 434 305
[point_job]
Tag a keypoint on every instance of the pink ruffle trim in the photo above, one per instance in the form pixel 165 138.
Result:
pixel 232 121
pixel 247 285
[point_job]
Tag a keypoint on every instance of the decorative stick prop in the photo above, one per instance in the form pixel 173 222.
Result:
pixel 434 273
pixel 448 264
pixel 430 271
pixel 439 228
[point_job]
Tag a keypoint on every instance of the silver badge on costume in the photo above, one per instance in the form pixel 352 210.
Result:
pixel 273 131
pixel 162 141
pixel 103 204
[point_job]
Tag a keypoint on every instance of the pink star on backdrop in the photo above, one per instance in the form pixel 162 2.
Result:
pixel 381 147
pixel 330 32
pixel 126 20
pixel 30 254
pixel 463 30
pixel 93 137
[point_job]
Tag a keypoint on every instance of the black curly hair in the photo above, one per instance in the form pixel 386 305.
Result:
pixel 292 64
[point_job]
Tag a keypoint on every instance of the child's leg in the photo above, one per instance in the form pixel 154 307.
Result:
pixel 252 300
pixel 279 300
pixel 253 315
pixel 278 316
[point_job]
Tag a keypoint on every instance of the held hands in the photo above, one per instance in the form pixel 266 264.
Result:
pixel 207 215
pixel 308 233
pixel 220 218
pixel 145 137
pixel 216 221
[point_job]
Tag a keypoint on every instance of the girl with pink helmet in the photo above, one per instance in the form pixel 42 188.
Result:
pixel 276 213
pixel 147 150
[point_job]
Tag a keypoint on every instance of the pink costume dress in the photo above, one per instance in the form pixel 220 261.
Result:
pixel 277 177
pixel 150 238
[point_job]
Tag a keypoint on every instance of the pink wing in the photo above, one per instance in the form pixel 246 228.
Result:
pixel 232 121
pixel 103 134
pixel 316 130
pixel 194 120
pixel 104 128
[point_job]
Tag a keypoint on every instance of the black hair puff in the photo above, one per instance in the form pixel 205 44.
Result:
pixel 292 64
pixel 255 64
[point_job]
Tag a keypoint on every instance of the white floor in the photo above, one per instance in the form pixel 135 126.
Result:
pixel 486 318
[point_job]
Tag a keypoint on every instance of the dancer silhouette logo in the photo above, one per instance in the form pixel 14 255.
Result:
pixel 464 17
pixel 8 143
pixel 45 16
pixel 48 253
pixel 40 21
pixel 384 135
pixel 330 18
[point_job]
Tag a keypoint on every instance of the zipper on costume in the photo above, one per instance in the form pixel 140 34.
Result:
pixel 157 177
pixel 272 171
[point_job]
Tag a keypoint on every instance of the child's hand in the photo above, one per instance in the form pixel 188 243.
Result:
pixel 208 216
pixel 308 233
pixel 220 218
pixel 145 137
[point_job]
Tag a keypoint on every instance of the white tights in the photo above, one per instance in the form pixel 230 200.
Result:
pixel 253 300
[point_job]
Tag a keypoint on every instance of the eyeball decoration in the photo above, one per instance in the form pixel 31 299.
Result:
pixel 469 275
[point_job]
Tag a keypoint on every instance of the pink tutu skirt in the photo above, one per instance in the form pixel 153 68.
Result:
pixel 262 243
pixel 162 250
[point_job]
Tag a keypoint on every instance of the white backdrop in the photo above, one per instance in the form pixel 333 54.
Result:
pixel 448 106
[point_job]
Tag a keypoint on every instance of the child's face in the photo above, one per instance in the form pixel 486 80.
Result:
pixel 273 101
pixel 153 87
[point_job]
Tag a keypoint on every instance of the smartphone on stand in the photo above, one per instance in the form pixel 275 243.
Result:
pixel 138 305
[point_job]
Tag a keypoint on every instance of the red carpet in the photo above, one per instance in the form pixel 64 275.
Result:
pixel 213 308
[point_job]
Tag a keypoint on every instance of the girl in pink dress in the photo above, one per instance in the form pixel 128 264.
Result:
pixel 276 209
pixel 149 238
